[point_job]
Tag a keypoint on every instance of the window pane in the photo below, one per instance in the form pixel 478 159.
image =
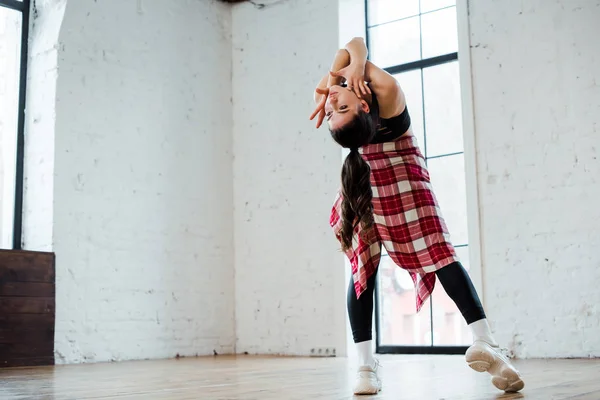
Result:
pixel 410 82
pixel 443 112
pixel 440 35
pixel 400 325
pixel 431 5
pixel 10 53
pixel 382 11
pixel 463 254
pixel 395 43
pixel 448 180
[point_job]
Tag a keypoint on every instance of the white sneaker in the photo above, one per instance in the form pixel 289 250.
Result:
pixel 483 357
pixel 367 380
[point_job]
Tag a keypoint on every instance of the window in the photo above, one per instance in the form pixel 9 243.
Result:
pixel 417 42
pixel 14 22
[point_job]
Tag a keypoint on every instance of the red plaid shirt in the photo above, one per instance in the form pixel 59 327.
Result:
pixel 408 221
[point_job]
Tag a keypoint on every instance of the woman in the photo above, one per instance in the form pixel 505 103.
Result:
pixel 386 199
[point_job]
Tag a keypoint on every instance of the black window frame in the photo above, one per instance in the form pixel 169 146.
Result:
pixel 23 7
pixel 397 69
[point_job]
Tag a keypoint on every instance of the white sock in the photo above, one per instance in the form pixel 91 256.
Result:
pixel 481 331
pixel 365 353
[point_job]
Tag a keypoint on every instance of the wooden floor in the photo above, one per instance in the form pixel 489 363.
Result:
pixel 260 378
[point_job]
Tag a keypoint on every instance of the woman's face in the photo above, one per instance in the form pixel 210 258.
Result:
pixel 342 106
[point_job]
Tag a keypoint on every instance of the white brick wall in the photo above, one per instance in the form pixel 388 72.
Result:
pixel 289 276
pixel 40 119
pixel 537 106
pixel 143 228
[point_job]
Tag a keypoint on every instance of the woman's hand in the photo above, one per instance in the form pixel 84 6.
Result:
pixel 320 109
pixel 354 75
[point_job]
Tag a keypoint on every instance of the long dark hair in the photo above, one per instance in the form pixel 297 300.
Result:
pixel 357 195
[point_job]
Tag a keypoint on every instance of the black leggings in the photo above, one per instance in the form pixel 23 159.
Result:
pixel 453 278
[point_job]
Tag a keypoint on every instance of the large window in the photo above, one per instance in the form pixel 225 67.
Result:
pixel 417 42
pixel 14 21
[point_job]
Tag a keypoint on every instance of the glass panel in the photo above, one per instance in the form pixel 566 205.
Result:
pixel 440 35
pixel 463 254
pixel 399 324
pixel 395 43
pixel 10 53
pixel 431 5
pixel 443 112
pixel 411 85
pixel 448 180
pixel 449 326
pixel 382 11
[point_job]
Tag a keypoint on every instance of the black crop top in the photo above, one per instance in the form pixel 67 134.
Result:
pixel 389 129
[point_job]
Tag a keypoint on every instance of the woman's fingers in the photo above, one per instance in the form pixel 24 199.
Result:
pixel 342 73
pixel 314 114
pixel 320 108
pixel 322 91
pixel 337 74
pixel 321 118
pixel 357 88
pixel 363 87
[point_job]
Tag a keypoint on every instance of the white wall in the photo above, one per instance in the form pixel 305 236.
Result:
pixel 289 277
pixel 40 119
pixel 535 70
pixel 143 228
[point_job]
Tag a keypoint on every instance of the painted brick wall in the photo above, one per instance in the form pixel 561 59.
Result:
pixel 289 275
pixel 40 120
pixel 537 107
pixel 143 229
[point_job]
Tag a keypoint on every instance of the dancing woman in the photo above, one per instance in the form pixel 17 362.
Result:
pixel 386 199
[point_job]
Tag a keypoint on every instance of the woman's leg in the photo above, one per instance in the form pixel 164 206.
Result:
pixel 484 355
pixel 360 313
pixel 455 281
pixel 460 289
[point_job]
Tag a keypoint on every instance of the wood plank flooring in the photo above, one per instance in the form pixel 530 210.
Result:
pixel 266 378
